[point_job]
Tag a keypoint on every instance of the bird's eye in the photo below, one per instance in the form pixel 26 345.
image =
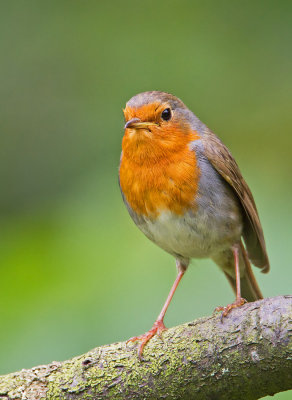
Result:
pixel 166 114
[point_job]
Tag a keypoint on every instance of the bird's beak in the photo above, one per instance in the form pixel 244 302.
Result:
pixel 136 123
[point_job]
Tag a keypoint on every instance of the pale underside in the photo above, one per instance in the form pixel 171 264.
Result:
pixel 193 235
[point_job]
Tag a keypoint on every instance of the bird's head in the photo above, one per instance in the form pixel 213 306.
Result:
pixel 156 122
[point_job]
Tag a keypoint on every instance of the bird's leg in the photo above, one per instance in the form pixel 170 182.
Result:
pixel 239 301
pixel 158 326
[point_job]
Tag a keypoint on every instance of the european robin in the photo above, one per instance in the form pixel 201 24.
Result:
pixel 184 190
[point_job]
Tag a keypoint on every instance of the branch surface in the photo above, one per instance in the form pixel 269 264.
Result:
pixel 247 356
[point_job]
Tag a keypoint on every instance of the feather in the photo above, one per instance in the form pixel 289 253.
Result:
pixel 222 160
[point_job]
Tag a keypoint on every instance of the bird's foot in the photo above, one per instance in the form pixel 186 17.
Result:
pixel 226 310
pixel 157 329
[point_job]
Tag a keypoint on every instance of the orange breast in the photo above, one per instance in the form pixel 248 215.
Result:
pixel 155 177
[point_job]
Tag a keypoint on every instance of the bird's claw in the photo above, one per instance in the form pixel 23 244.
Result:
pixel 226 310
pixel 157 329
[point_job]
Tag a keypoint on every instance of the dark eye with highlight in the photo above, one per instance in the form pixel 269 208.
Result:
pixel 166 114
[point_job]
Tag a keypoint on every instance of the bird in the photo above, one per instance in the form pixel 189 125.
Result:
pixel 185 192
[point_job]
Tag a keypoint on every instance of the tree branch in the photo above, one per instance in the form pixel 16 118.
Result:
pixel 247 356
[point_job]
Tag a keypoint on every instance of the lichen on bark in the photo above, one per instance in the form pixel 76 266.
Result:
pixel 247 356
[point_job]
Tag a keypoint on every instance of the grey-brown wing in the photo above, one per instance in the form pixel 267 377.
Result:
pixel 222 160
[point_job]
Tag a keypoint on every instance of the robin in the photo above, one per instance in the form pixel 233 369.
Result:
pixel 184 190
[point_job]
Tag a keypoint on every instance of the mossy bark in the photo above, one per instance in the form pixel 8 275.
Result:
pixel 246 356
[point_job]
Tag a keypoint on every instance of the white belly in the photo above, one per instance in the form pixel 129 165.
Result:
pixel 193 235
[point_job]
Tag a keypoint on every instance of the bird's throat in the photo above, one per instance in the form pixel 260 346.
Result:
pixel 155 177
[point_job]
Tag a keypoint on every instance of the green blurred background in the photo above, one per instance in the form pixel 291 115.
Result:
pixel 75 271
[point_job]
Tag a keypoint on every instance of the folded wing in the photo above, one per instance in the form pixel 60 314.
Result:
pixel 222 160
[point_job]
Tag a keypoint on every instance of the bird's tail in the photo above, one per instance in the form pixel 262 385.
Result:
pixel 249 287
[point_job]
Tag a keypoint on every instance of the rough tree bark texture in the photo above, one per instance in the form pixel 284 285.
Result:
pixel 247 356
